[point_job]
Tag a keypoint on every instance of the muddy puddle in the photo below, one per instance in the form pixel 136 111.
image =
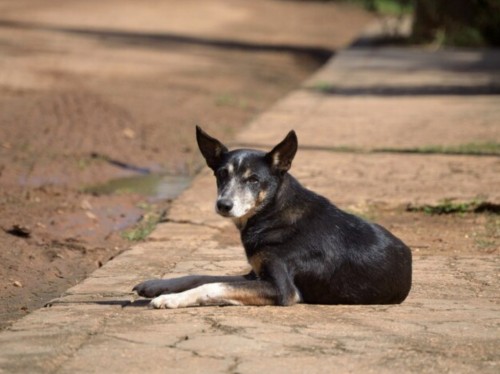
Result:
pixel 154 187
pixel 116 207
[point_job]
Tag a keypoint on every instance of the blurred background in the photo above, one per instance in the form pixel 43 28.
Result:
pixel 460 23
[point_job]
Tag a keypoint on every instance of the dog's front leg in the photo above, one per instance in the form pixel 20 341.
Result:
pixel 255 292
pixel 157 287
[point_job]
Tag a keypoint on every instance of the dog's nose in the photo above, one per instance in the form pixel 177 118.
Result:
pixel 224 205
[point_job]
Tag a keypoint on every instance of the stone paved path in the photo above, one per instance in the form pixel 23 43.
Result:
pixel 449 323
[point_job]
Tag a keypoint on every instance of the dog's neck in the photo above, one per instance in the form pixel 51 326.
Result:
pixel 241 222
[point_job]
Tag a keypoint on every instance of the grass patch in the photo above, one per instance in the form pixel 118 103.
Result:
pixel 450 206
pixel 385 7
pixel 143 228
pixel 468 149
pixel 472 149
pixel 322 87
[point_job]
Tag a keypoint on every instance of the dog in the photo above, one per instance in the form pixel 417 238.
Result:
pixel 301 247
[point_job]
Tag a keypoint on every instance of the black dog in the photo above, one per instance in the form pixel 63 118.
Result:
pixel 300 246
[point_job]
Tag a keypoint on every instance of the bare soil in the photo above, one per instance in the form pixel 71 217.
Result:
pixel 91 91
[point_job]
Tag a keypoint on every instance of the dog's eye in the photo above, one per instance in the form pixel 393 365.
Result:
pixel 222 174
pixel 253 179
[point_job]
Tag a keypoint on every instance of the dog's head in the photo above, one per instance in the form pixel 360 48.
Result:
pixel 247 179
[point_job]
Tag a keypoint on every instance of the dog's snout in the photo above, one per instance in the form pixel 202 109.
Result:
pixel 224 206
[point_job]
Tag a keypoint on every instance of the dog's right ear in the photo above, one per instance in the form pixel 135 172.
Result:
pixel 210 148
pixel 282 155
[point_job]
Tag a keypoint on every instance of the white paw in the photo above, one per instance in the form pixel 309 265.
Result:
pixel 171 301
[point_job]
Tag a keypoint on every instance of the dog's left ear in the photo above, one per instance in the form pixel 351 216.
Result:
pixel 282 155
pixel 210 148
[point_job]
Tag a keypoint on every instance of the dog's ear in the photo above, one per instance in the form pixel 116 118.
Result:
pixel 210 148
pixel 282 155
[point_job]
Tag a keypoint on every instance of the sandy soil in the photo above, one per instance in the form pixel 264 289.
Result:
pixel 91 91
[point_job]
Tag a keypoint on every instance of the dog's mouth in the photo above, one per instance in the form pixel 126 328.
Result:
pixel 224 214
pixel 234 213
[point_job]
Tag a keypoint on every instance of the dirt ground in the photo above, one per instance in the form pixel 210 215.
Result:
pixel 91 91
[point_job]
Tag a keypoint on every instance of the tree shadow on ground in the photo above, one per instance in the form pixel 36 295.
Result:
pixel 172 40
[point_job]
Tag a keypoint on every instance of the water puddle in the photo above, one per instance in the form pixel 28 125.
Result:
pixel 153 186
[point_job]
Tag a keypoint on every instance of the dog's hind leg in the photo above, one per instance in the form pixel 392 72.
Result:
pixel 157 287
pixel 254 292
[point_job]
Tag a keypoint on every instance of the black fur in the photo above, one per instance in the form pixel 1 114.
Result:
pixel 301 246
pixel 330 256
pixel 308 244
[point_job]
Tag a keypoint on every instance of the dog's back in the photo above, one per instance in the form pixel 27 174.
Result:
pixel 332 257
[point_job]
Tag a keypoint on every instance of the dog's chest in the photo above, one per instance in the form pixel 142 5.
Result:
pixel 256 261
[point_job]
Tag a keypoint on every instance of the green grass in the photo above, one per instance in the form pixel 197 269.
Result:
pixel 322 87
pixel 467 149
pixel 479 149
pixel 451 206
pixel 145 227
pixel 385 7
pixel 393 7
